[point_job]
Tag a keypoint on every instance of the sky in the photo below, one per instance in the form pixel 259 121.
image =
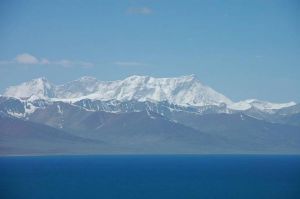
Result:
pixel 242 49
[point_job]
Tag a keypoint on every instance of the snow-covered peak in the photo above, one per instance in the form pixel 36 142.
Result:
pixel 263 105
pixel 136 78
pixel 184 91
pixel 77 88
pixel 260 105
pixel 87 79
pixel 140 78
pixel 36 88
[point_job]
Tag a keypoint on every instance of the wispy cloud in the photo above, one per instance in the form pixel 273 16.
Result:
pixel 129 63
pixel 28 59
pixel 140 10
pixel 68 63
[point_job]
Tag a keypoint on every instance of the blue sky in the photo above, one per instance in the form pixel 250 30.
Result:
pixel 243 49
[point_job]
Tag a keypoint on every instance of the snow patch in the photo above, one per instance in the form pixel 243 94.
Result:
pixel 59 109
pixel 15 114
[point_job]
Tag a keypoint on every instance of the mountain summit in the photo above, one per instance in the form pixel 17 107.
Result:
pixel 183 91
pixel 37 88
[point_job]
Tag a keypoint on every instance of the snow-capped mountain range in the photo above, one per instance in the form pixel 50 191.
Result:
pixel 182 91
pixel 141 114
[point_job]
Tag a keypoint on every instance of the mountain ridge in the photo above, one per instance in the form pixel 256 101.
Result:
pixel 147 131
pixel 137 126
pixel 183 91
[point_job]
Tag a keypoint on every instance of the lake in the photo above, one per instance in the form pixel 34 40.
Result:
pixel 151 176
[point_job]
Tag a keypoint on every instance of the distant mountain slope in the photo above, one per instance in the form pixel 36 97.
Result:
pixel 24 137
pixel 208 132
pixel 146 131
pixel 245 131
pixel 293 119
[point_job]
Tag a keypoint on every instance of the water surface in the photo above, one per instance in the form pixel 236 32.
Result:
pixel 145 177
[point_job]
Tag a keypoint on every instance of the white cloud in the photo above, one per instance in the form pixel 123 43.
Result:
pixel 126 63
pixel 26 58
pixel 140 10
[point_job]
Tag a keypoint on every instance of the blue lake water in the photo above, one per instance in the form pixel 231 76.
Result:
pixel 155 177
